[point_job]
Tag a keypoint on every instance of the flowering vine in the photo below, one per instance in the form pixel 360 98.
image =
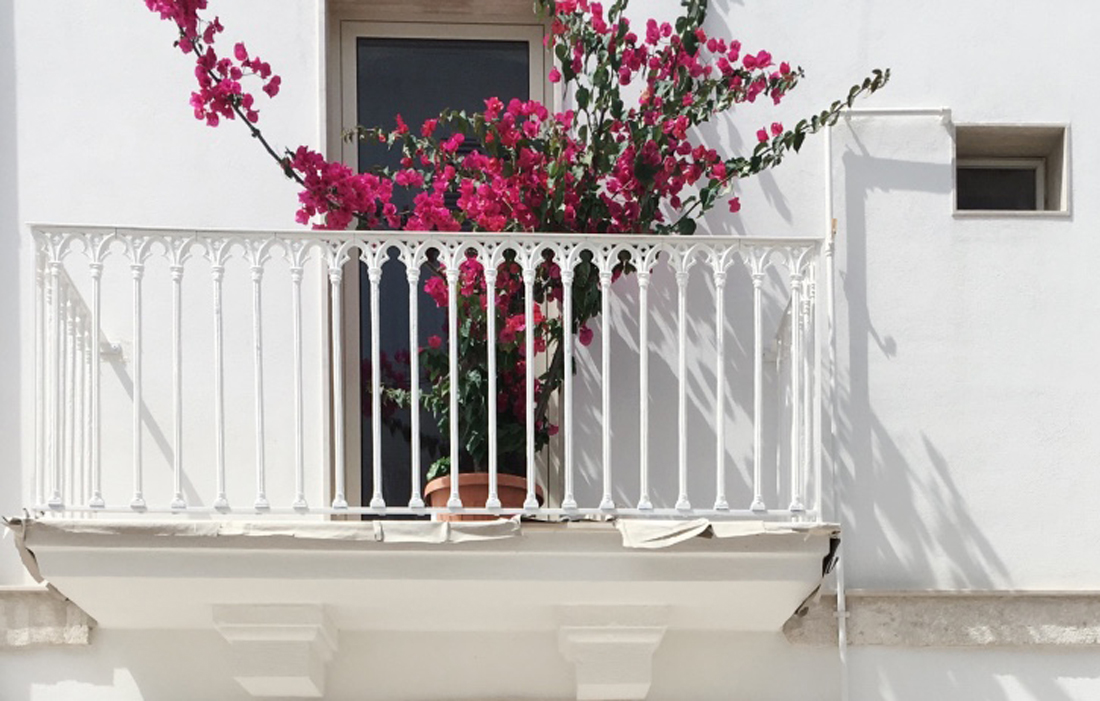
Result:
pixel 609 163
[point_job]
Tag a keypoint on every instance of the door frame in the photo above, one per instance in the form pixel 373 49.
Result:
pixel 413 19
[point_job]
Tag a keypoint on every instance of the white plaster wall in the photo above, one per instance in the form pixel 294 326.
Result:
pixel 967 348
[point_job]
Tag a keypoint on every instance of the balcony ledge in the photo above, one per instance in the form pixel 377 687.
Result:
pixel 495 576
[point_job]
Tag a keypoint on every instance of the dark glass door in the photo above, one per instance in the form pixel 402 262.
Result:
pixel 416 78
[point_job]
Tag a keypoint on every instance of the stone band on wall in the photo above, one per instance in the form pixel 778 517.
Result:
pixel 953 619
pixel 33 617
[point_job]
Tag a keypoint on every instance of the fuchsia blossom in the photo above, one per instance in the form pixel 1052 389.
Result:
pixel 623 167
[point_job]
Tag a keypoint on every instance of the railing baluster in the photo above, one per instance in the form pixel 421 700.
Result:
pixel 720 502
pixel 454 501
pixel 39 378
pixel 374 276
pixel 54 389
pixel 807 391
pixel 757 387
pixel 335 278
pixel 261 501
pixel 83 358
pixel 644 502
pixel 569 501
pixel 608 500
pixel 300 502
pixel 217 272
pixel 682 502
pixel 137 270
pixel 531 501
pixel 178 502
pixel 493 499
pixel 412 273
pixel 97 501
pixel 72 398
pixel 797 505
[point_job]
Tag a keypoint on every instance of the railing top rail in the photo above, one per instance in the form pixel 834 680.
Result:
pixel 732 240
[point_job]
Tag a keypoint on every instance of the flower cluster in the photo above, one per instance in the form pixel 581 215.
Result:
pixel 220 94
pixel 608 163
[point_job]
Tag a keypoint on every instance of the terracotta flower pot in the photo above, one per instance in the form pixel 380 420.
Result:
pixel 473 489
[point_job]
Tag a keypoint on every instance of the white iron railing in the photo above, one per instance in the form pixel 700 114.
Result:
pixel 86 271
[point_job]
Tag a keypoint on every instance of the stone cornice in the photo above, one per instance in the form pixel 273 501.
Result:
pixel 953 619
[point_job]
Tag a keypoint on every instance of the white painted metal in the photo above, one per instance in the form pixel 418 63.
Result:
pixel 454 501
pixel 493 499
pixel 217 273
pixel 412 274
pixel 258 255
pixel 530 502
pixel 644 502
pixel 137 270
pixel 178 502
pixel 757 387
pixel 335 277
pixel 70 429
pixel 720 501
pixel 296 262
pixel 796 388
pixel 682 501
pixel 374 276
pixel 96 270
pixel 608 501
pixel 569 501
pixel 39 379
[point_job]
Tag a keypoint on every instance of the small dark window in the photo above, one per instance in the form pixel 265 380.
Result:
pixel 1011 168
pixel 991 186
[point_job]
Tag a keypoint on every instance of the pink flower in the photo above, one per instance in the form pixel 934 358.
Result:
pixel 555 75
pixel 584 335
pixel 762 135
pixel 777 128
pixel 735 205
pixel 435 341
pixel 240 52
pixel 272 86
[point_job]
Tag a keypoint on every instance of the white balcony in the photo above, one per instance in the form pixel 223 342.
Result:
pixel 202 420
pixel 220 383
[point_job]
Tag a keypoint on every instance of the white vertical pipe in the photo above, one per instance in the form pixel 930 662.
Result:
pixel 300 502
pixel 96 428
pixel 335 278
pixel 493 499
pixel 569 501
pixel 39 379
pixel 178 502
pixel 258 380
pixel 53 394
pixel 608 501
pixel 412 273
pixel 137 269
pixel 682 502
pixel 757 390
pixel 720 501
pixel 796 392
pixel 644 502
pixel 221 501
pixel 530 502
pixel 374 275
pixel 454 501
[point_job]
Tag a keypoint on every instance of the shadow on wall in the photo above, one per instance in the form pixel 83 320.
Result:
pixel 907 521
pixel 13 245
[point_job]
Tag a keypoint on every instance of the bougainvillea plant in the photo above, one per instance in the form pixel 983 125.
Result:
pixel 623 158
